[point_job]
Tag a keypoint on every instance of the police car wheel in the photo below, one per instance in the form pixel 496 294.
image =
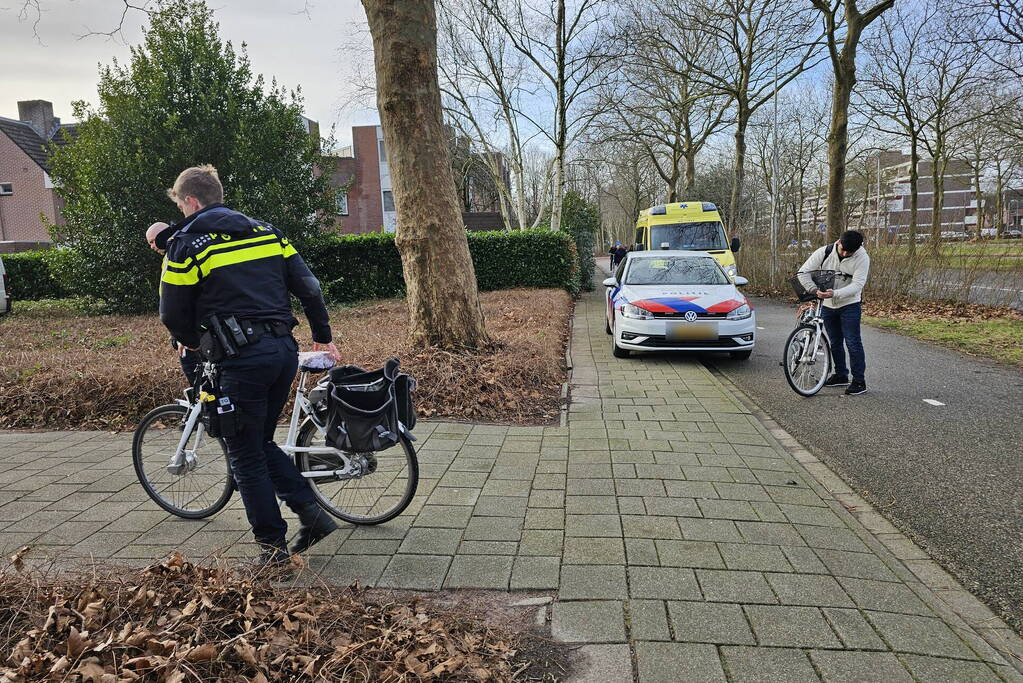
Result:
pixel 607 325
pixel 617 351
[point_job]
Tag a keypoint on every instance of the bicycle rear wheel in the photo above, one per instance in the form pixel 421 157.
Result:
pixel 202 487
pixel 373 498
pixel 806 369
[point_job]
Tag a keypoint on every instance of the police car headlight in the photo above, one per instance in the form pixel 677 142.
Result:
pixel 636 313
pixel 740 313
pixel 731 271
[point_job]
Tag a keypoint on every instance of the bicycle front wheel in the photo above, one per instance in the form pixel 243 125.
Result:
pixel 378 496
pixel 807 360
pixel 194 485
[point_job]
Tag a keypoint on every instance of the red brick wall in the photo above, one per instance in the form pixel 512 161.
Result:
pixel 365 211
pixel 19 213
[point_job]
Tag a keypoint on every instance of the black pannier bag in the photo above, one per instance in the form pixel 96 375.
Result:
pixel 366 410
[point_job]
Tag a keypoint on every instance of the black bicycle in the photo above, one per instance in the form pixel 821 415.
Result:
pixel 807 356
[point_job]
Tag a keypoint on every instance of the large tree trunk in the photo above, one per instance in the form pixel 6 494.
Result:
pixel 838 144
pixel 443 300
pixel 690 155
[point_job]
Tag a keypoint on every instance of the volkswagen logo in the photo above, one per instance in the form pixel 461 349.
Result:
pixel 691 316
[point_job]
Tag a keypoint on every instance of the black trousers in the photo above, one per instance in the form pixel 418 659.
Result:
pixel 259 381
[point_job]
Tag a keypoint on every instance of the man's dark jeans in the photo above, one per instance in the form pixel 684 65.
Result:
pixel 259 383
pixel 843 325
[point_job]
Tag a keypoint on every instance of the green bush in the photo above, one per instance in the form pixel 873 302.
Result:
pixel 354 267
pixel 581 219
pixel 30 276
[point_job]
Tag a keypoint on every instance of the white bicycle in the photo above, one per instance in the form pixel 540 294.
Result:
pixel 187 473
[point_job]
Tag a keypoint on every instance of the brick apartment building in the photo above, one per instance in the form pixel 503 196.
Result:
pixel 366 203
pixel 27 200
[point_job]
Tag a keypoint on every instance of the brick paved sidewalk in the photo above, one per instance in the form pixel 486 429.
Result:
pixel 682 540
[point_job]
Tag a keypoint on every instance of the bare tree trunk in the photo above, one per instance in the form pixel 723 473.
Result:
pixel 978 195
pixel 938 195
pixel 690 155
pixel 738 176
pixel 914 192
pixel 443 300
pixel 843 62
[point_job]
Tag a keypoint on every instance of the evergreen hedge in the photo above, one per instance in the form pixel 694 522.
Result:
pixel 356 267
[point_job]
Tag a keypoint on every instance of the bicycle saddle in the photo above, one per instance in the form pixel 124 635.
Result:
pixel 315 361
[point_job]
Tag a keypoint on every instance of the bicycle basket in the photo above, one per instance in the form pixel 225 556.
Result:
pixel 366 410
pixel 808 283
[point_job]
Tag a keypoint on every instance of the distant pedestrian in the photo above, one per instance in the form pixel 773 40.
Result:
pixel 843 308
pixel 618 254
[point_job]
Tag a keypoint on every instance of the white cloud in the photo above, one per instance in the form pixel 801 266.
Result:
pixel 298 49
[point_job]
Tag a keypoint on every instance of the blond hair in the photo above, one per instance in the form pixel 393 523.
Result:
pixel 201 182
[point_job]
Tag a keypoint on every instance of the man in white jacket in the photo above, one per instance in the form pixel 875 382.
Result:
pixel 842 306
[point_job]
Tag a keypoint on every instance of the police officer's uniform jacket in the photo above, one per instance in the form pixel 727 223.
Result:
pixel 221 262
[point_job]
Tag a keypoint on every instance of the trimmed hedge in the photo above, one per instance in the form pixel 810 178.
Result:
pixel 356 267
pixel 31 275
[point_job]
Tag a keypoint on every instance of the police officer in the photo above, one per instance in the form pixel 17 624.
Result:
pixel 158 235
pixel 226 287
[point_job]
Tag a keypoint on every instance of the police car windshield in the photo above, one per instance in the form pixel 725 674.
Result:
pixel 703 236
pixel 677 270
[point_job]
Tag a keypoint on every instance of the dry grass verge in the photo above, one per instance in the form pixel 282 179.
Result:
pixel 61 370
pixel 176 621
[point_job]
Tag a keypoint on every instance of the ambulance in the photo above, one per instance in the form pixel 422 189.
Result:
pixel 687 226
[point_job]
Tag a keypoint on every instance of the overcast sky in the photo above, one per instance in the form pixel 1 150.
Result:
pixel 283 42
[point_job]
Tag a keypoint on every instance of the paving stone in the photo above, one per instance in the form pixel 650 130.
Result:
pixel 507 487
pixel 593 525
pixel 426 541
pixel 605 663
pixel 767 665
pixel 540 573
pixel 580 550
pixel 369 546
pixel 732 586
pixel 493 529
pixel 545 518
pixel 673 662
pixel 884 596
pixel 720 530
pixel 856 565
pixel 541 542
pixel 591 505
pixel 463 479
pixel 640 487
pixel 593 582
pixel 365 569
pixel 804 560
pixel 547 499
pixel 488 548
pixel 448 516
pixel 665 583
pixel 648 620
pixel 770 534
pixel 804 514
pixel 479 571
pixel 641 551
pixel 706 622
pixel 766 558
pixel 588 622
pixel 453 496
pixel 675 507
pixel 727 509
pixel 791 626
pixel 501 506
pixel 702 554
pixel 854 630
pixel 859 667
pixel 808 589
pixel 646 526
pixel 591 487
pixel 935 670
pixel 419 572
pixel 919 635
pixel 832 538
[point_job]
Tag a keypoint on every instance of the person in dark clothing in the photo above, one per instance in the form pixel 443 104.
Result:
pixel 158 235
pixel 618 254
pixel 225 266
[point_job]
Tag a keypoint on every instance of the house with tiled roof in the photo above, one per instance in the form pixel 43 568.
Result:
pixel 28 203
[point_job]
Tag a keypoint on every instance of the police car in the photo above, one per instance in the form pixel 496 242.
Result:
pixel 677 301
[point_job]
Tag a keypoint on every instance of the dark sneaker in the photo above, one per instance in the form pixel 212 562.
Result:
pixel 316 526
pixel 271 562
pixel 857 386
pixel 837 381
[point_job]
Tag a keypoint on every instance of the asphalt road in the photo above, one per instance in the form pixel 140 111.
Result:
pixel 950 476
pixel 995 288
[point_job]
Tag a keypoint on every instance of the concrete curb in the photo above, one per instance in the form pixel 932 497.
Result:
pixel 935 586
